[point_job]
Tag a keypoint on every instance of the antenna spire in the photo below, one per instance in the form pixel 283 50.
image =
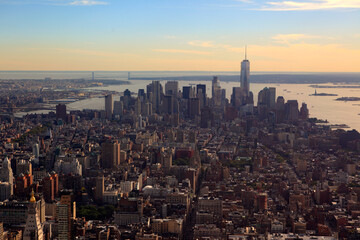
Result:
pixel 245 52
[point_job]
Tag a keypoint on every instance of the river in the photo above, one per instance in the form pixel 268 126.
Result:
pixel 322 107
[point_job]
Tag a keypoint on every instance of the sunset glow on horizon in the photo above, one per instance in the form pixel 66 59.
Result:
pixel 163 35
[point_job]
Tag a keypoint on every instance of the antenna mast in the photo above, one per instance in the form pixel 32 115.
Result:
pixel 245 52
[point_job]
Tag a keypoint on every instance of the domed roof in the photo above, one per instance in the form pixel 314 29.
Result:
pixel 148 187
pixel 32 197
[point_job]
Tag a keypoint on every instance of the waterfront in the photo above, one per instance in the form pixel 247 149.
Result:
pixel 322 107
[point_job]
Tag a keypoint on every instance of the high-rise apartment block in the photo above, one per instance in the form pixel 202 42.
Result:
pixel 65 213
pixel 61 112
pixel 99 189
pixel 109 107
pixel 110 154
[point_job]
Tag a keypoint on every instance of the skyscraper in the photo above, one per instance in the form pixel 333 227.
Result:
pixel 193 107
pixel 292 110
pixel 48 188
pixel 186 92
pixel 146 109
pixel 223 97
pixel 304 111
pixel 201 88
pixel 34 227
pixel 6 174
pixel 216 91
pixel 62 215
pixel 172 88
pixel 155 92
pixel 55 176
pixel 137 107
pixel 207 117
pixel 272 97
pixel 110 154
pixel 267 97
pixel 266 102
pixel 109 108
pixel 141 94
pixel 61 112
pixel 168 104
pixel 36 152
pixel 245 75
pixel 99 189
pixel 118 108
pixel 280 109
pixel 65 212
pixel 236 98
pixel 201 94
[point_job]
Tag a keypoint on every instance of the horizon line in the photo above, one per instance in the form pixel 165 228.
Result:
pixel 356 72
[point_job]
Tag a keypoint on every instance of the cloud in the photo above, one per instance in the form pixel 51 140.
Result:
pixel 279 38
pixel 245 1
pixel 87 3
pixel 86 52
pixel 234 4
pixel 182 51
pixel 297 55
pixel 290 38
pixel 305 57
pixel 310 5
pixel 56 2
pixel 169 37
pixel 288 42
pixel 218 46
pixel 206 44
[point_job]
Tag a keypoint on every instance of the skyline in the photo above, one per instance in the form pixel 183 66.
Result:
pixel 289 36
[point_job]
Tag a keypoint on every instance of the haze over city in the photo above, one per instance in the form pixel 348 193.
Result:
pixel 164 35
pixel 179 119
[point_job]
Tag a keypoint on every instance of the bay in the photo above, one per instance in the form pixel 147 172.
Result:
pixel 322 107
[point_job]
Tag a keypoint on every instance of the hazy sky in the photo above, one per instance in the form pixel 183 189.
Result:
pixel 129 35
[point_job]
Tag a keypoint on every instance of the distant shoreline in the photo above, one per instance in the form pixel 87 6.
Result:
pixel 225 76
pixel 269 78
pixel 323 94
pixel 77 80
pixel 350 99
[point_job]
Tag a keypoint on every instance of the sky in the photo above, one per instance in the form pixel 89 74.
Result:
pixel 180 35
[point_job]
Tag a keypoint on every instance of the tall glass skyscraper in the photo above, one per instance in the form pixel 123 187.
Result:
pixel 245 75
